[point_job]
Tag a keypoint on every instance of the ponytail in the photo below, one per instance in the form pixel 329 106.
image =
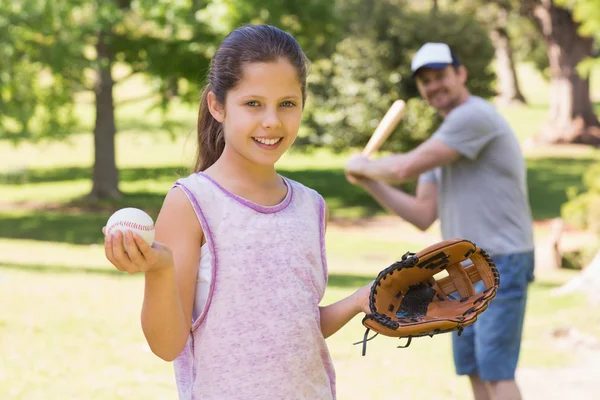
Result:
pixel 211 141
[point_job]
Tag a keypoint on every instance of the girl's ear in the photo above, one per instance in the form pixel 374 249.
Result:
pixel 217 110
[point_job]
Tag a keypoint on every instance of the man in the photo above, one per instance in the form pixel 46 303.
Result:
pixel 472 176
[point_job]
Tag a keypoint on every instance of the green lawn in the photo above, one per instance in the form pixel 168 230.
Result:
pixel 70 327
pixel 69 322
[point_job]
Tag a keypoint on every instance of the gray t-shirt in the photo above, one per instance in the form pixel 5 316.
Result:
pixel 482 196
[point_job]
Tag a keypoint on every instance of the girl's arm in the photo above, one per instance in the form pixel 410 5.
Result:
pixel 338 314
pixel 170 266
pixel 169 292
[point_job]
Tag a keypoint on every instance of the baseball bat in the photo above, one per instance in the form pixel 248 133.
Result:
pixel 385 128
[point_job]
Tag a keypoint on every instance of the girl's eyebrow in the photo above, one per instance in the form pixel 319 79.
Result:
pixel 292 96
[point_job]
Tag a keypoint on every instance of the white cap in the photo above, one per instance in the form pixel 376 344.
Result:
pixel 433 55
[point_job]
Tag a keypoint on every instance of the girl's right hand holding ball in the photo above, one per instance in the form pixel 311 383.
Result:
pixel 139 257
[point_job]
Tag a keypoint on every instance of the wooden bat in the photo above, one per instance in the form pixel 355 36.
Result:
pixel 385 128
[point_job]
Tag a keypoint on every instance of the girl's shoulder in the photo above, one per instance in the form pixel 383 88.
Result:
pixel 307 195
pixel 300 187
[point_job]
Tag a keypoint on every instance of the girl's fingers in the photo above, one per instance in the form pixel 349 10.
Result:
pixel 144 248
pixel 119 253
pixel 127 251
pixel 108 252
pixel 133 251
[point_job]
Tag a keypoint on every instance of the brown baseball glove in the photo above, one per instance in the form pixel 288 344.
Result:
pixel 407 301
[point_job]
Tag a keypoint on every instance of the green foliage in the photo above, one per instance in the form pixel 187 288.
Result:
pixel 587 14
pixel 371 68
pixel 583 209
pixel 48 55
pixel 529 45
pixel 34 96
pixel 578 259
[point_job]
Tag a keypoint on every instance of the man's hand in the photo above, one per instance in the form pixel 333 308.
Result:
pixel 355 164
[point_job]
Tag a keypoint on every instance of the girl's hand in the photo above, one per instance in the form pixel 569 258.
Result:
pixel 362 298
pixel 139 257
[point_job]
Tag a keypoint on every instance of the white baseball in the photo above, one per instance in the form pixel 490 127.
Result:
pixel 131 219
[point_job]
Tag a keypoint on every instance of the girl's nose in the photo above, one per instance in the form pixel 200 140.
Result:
pixel 271 120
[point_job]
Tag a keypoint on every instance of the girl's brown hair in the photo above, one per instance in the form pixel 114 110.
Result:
pixel 245 45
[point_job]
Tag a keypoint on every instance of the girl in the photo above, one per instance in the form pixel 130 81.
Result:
pixel 234 279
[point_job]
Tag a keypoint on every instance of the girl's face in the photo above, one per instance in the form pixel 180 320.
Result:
pixel 262 114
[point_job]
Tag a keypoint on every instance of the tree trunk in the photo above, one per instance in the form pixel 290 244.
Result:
pixel 572 118
pixel 510 92
pixel 105 174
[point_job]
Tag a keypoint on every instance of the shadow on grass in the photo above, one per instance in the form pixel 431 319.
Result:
pixel 348 281
pixel 85 173
pixel 335 280
pixel 79 222
pixel 76 223
pixel 75 228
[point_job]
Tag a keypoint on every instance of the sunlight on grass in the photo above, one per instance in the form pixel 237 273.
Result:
pixel 132 149
pixel 92 320
pixel 74 337
pixel 46 192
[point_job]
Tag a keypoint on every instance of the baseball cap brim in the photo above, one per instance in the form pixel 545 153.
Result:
pixel 432 66
pixel 434 56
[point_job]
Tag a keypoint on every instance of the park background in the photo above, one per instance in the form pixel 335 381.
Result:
pixel 98 103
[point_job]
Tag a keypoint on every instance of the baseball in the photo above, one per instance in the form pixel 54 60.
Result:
pixel 131 219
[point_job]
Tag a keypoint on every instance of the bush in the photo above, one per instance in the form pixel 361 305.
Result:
pixel 353 89
pixel 583 209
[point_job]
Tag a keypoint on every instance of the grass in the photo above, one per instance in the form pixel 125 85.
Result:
pixel 69 322
pixel 74 333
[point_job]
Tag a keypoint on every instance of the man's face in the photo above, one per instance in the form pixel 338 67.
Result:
pixel 443 88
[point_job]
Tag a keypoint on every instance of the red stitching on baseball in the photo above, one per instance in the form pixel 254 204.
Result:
pixel 129 224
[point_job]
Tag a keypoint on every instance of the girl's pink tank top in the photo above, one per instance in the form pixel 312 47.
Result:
pixel 259 336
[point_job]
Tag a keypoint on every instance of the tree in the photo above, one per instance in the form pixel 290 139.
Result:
pixel 497 15
pixel 370 69
pixel 509 88
pixel 572 118
pixel 583 211
pixel 169 41
pixel 587 14
pixel 29 91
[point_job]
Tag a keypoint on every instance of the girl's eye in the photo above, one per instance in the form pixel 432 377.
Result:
pixel 252 103
pixel 287 104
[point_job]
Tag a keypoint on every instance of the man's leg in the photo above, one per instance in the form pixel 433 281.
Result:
pixel 480 388
pixel 505 390
pixel 499 329
pixel 465 361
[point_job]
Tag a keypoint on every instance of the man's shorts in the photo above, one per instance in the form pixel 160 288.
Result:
pixel 490 347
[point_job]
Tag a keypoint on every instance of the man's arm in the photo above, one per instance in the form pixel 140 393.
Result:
pixel 420 210
pixel 402 167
